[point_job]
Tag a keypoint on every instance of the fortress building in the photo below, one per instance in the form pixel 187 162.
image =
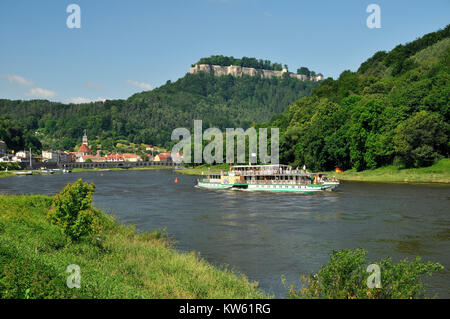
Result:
pixel 236 70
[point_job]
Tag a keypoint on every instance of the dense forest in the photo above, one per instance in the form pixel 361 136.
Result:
pixel 17 136
pixel 393 110
pixel 149 117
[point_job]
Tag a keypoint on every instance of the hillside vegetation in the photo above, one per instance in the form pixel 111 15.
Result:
pixel 393 110
pixel 149 117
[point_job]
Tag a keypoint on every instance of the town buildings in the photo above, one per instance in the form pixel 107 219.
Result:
pixel 84 154
pixel 61 157
pixel 2 148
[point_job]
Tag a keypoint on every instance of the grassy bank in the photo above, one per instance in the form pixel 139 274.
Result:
pixel 115 263
pixel 437 173
pixel 205 169
pixel 6 174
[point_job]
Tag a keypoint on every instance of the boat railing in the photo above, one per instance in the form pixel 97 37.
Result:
pixel 211 180
pixel 279 182
pixel 269 173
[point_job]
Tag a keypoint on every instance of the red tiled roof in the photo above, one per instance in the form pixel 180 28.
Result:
pixel 84 149
pixel 129 155
pixel 114 156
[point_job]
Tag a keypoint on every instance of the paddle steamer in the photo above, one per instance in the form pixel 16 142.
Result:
pixel 272 178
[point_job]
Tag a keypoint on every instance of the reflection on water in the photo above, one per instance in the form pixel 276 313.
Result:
pixel 265 235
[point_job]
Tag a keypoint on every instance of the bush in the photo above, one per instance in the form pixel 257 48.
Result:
pixel 72 210
pixel 345 277
pixel 10 166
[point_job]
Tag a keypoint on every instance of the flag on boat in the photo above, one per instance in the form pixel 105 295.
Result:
pixel 338 170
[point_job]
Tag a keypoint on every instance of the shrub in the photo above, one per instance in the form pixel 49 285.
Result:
pixel 345 277
pixel 10 166
pixel 72 210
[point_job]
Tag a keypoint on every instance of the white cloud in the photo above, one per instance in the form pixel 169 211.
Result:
pixel 82 100
pixel 142 85
pixel 14 78
pixel 40 93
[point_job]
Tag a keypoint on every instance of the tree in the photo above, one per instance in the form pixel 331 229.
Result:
pixel 304 71
pixel 72 210
pixel 422 139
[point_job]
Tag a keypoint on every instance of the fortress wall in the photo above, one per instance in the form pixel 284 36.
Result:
pixel 236 70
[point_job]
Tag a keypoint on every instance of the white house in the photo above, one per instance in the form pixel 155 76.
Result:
pixel 50 156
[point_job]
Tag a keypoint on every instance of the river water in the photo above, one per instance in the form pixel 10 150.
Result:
pixel 267 235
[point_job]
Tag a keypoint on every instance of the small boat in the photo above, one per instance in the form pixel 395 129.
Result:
pixel 331 183
pixel 22 173
pixel 46 171
pixel 272 178
pixel 66 170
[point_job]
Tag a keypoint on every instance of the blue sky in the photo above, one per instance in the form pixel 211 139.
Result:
pixel 124 47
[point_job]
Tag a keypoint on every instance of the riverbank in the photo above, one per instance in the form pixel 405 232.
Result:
pixel 205 169
pixel 117 263
pixel 6 174
pixel 141 168
pixel 437 173
pixel 78 170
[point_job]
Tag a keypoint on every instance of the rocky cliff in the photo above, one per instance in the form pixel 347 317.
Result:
pixel 236 70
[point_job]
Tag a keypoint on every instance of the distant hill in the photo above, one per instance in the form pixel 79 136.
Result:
pixel 394 110
pixel 149 117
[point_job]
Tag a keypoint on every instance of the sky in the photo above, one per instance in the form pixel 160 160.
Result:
pixel 125 47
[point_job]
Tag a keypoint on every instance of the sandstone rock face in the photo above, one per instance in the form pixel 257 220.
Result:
pixel 236 70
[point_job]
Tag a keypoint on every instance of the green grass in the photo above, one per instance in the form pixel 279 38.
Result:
pixel 6 174
pixel 437 173
pixel 205 169
pixel 120 263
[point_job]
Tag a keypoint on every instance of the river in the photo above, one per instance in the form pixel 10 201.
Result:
pixel 267 235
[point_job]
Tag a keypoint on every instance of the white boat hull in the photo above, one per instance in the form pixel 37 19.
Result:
pixel 286 188
pixel 331 185
pixel 214 185
pixel 265 187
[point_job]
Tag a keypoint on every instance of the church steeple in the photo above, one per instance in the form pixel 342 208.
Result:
pixel 85 139
pixel 84 148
